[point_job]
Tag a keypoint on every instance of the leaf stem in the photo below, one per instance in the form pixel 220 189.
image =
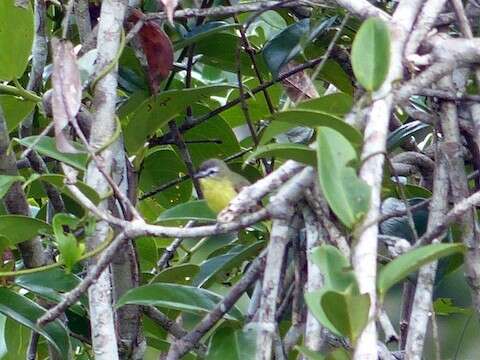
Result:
pixel 18 90
pixel 85 256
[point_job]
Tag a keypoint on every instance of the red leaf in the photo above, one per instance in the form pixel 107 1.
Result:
pixel 157 48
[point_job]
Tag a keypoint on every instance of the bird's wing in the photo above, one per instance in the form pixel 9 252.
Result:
pixel 240 182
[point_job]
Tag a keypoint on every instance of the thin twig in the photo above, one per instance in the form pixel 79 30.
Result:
pixel 174 182
pixel 196 121
pixel 185 344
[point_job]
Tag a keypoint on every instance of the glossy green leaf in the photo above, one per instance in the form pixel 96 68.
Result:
pixel 224 57
pixel 291 41
pixel 347 195
pixel 337 354
pixel 50 285
pixel 212 267
pixel 297 152
pixel 16 337
pixel 16 28
pixel 215 128
pixel 313 300
pixel 202 32
pixel 192 210
pixel 445 307
pixel 6 181
pixel 207 248
pixel 318 118
pixel 15 110
pixel 179 297
pixel 30 227
pixel 156 111
pixel 26 312
pixel 337 271
pixel 336 104
pixel 371 54
pixel 182 274
pixel 257 105
pixel 46 146
pixel 399 226
pixel 273 130
pixel 231 344
pixel 411 261
pixel 161 166
pixel 348 312
pixel 58 181
pixel 70 250
pixel 334 74
pixel 309 354
pixel 405 132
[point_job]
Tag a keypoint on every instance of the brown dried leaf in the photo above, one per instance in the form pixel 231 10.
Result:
pixel 170 6
pixel 67 91
pixel 298 86
pixel 157 48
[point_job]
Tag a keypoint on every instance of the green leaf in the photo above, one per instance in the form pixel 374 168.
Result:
pixel 6 181
pixel 58 181
pixel 313 300
pixel 179 297
pixel 70 250
pixel 310 354
pixel 15 110
pixel 337 104
pixel 273 130
pixel 335 267
pixel 16 28
pixel 231 344
pixel 26 312
pixel 18 228
pixel 411 261
pixel 50 284
pixel 337 354
pixel 215 128
pixel 399 226
pixel 153 175
pixel 17 338
pixel 298 152
pixel 291 41
pixel 181 274
pixel 224 57
pixel 192 210
pixel 445 307
pixel 405 132
pixel 347 195
pixel 157 110
pixel 46 146
pixel 257 106
pixel 212 267
pixel 346 311
pixel 202 32
pixel 371 54
pixel 318 118
pixel 333 73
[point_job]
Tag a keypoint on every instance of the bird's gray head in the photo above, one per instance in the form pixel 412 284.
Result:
pixel 212 167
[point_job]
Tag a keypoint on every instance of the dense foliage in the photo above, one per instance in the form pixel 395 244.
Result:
pixel 362 150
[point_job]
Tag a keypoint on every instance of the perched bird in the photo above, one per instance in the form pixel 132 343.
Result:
pixel 219 184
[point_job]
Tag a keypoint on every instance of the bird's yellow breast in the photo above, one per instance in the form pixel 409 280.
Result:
pixel 217 193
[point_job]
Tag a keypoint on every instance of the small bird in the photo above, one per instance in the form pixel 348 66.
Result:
pixel 219 184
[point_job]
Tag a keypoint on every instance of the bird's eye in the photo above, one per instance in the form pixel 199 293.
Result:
pixel 212 171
